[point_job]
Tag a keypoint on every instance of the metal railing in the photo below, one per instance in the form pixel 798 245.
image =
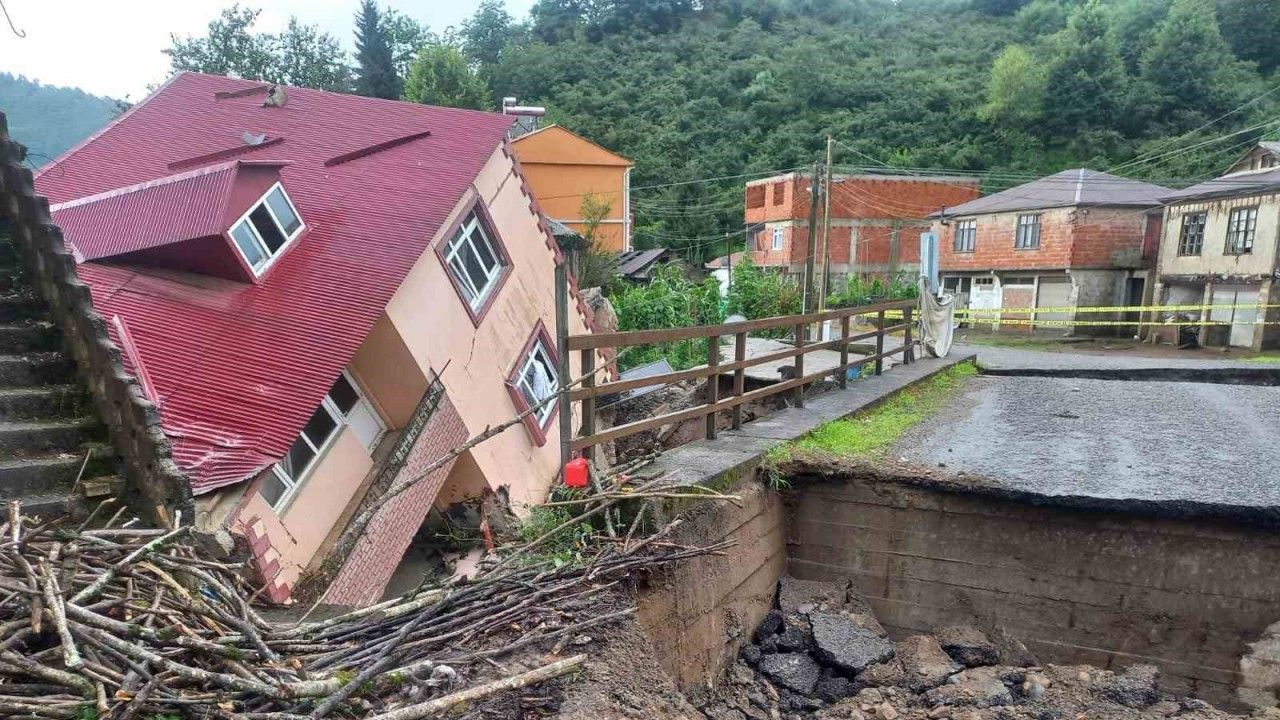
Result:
pixel 589 345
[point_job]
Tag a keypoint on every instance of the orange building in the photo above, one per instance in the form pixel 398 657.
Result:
pixel 563 168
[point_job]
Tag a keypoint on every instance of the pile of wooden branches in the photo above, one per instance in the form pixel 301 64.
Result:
pixel 121 622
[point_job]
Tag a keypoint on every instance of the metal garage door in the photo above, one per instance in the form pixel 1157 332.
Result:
pixel 1054 292
pixel 1241 318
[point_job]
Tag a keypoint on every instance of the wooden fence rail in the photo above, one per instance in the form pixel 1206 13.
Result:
pixel 590 390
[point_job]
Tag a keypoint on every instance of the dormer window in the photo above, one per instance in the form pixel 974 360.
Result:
pixel 266 229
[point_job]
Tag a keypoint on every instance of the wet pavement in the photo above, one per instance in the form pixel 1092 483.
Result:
pixel 994 356
pixel 1180 441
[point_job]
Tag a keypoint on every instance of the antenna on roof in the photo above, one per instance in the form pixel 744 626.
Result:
pixel 527 116
pixel 276 97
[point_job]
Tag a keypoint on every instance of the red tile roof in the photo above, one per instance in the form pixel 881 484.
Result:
pixel 239 367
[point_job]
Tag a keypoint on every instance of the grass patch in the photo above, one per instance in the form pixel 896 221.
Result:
pixel 872 432
pixel 1268 358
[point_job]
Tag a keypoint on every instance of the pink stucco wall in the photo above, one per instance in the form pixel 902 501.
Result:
pixel 427 328
pixel 433 322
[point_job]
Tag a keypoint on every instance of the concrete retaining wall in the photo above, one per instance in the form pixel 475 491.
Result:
pixel 698 614
pixel 1076 585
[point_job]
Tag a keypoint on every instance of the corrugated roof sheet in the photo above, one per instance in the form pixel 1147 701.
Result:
pixel 1241 183
pixel 239 367
pixel 636 261
pixel 149 214
pixel 1080 186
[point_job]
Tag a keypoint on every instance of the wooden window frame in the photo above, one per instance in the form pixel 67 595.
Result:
pixel 537 430
pixel 485 221
pixel 1185 237
pixel 1237 237
pixel 1020 242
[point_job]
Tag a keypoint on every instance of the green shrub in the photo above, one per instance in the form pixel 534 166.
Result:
pixel 857 291
pixel 669 300
pixel 757 293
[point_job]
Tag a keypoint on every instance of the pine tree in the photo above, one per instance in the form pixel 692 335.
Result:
pixel 376 71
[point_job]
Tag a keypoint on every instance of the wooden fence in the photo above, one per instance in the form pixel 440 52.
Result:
pixel 590 390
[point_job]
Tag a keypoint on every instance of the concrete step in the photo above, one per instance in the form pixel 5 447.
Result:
pixel 44 368
pixel 30 437
pixel 52 474
pixel 52 505
pixel 15 306
pixel 28 336
pixel 42 402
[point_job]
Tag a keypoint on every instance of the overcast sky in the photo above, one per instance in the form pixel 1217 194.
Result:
pixel 113 47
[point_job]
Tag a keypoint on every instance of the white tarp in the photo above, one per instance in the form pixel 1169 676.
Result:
pixel 937 318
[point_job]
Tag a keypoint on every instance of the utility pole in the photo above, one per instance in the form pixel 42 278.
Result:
pixel 810 289
pixel 824 277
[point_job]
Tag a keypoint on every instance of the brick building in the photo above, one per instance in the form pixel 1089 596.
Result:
pixel 1073 239
pixel 1221 246
pixel 876 220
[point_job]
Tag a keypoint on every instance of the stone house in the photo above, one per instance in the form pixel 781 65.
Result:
pixel 321 294
pixel 1220 247
pixel 1077 238
pixel 876 221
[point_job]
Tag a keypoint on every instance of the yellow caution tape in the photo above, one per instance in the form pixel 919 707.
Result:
pixel 1092 323
pixel 1115 308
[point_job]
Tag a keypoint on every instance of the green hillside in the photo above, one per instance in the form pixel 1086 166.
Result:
pixel 49 119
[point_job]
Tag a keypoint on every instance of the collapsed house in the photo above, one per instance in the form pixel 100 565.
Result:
pixel 320 294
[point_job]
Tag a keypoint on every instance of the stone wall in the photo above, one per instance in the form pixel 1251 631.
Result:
pixel 698 614
pixel 1106 585
pixel 132 421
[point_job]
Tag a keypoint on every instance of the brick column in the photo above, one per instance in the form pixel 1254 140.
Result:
pixel 368 569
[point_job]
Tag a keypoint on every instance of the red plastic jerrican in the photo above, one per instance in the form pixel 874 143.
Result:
pixel 576 473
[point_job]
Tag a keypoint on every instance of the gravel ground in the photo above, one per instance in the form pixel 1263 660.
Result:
pixel 1110 439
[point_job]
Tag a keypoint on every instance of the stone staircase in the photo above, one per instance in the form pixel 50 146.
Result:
pixel 49 436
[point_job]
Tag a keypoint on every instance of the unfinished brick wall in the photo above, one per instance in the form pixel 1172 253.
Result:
pixel 375 556
pixel 1094 238
pixel 787 197
pixel 1111 587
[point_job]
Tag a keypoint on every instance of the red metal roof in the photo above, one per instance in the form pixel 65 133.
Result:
pixel 159 212
pixel 238 367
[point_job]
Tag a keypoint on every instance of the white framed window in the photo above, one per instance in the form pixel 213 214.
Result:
pixel 535 378
pixel 966 236
pixel 474 261
pixel 343 406
pixel 778 235
pixel 263 232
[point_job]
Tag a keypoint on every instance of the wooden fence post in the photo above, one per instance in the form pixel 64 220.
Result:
pixel 879 342
pixel 739 376
pixel 907 354
pixel 799 364
pixel 844 352
pixel 562 360
pixel 588 403
pixel 713 382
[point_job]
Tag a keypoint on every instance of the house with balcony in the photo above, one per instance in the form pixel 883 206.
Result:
pixel 1077 238
pixel 875 225
pixel 321 294
pixel 1219 249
